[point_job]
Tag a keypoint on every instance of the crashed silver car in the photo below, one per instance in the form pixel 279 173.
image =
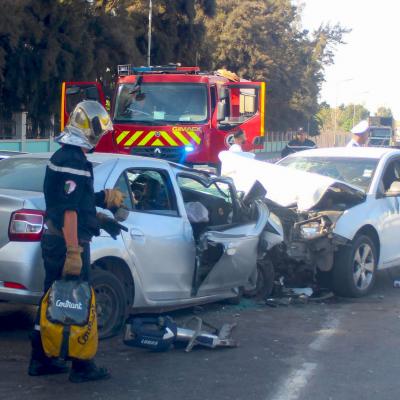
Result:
pixel 190 238
pixel 338 209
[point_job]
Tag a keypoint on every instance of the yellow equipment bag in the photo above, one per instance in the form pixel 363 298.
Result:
pixel 68 321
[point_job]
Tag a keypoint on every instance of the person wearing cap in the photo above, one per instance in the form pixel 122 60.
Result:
pixel 360 134
pixel 239 139
pixel 71 222
pixel 299 143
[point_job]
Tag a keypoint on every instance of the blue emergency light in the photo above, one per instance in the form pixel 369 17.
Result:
pixel 129 69
pixel 189 149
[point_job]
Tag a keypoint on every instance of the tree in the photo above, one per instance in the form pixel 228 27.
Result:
pixel 341 119
pixel 384 112
pixel 261 40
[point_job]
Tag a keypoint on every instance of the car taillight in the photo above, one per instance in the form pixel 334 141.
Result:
pixel 14 285
pixel 26 226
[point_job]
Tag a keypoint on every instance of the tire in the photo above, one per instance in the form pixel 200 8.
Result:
pixel 111 302
pixel 264 281
pixel 354 271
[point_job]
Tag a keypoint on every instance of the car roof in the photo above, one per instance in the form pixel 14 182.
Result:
pixel 10 152
pixel 99 157
pixel 353 152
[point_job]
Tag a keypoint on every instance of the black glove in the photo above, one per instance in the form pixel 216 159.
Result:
pixel 110 225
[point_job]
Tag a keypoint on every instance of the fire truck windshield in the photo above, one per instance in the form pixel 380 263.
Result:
pixel 161 103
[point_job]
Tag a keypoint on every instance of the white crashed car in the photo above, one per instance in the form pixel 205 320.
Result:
pixel 339 209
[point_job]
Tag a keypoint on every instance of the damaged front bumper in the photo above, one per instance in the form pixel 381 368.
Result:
pixel 309 239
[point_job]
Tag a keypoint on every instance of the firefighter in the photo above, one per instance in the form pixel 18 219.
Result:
pixel 360 134
pixel 71 222
pixel 298 144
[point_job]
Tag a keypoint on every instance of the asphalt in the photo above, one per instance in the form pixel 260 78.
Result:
pixel 335 350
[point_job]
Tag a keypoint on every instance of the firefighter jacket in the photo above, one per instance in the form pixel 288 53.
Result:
pixel 68 186
pixel 296 145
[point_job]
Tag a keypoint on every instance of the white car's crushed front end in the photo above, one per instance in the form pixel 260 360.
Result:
pixel 307 205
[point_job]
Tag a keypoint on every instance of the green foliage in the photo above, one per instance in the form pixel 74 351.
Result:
pixel 262 40
pixel 384 112
pixel 45 42
pixel 341 119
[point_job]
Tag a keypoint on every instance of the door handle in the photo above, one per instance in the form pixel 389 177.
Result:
pixel 136 233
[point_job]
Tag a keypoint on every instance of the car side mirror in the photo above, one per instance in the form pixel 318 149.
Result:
pixel 221 111
pixel 256 192
pixel 394 189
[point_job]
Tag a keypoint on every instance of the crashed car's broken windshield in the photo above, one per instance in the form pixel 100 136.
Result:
pixel 354 171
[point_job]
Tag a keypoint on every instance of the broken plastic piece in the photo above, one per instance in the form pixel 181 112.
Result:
pixel 307 291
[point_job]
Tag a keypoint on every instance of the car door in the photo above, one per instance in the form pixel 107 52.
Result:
pixel 245 109
pixel 226 250
pixel 159 240
pixel 389 205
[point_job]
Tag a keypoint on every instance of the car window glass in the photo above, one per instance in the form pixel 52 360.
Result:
pixel 354 171
pixel 122 185
pixel 150 191
pixel 391 174
pixel 219 189
pixel 216 198
pixel 23 173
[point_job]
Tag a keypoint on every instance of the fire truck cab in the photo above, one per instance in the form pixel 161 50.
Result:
pixel 175 113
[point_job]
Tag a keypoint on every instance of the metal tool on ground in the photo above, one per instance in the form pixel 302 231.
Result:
pixel 198 336
pixel 159 334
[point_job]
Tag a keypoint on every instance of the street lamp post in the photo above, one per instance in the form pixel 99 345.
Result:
pixel 149 33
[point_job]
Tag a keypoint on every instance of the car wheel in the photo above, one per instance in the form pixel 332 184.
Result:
pixel 264 281
pixel 354 270
pixel 110 302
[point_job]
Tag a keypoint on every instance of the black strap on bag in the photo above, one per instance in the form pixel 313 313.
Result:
pixel 65 342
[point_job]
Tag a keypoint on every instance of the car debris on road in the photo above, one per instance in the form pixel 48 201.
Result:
pixel 161 333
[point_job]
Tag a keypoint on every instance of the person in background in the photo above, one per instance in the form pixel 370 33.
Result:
pixel 360 134
pixel 299 143
pixel 239 139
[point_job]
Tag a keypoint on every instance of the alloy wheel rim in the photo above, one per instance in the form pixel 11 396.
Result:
pixel 363 266
pixel 105 304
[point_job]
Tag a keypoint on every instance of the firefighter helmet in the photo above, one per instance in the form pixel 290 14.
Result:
pixel 88 121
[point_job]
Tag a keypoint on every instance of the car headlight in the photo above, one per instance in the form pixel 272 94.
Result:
pixel 311 230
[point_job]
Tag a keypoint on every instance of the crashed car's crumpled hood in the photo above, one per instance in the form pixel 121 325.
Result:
pixel 285 186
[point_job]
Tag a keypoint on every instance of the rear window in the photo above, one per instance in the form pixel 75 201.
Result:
pixel 23 173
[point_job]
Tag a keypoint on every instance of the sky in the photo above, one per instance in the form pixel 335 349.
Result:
pixel 366 69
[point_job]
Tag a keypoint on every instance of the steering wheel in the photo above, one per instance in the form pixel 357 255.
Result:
pixel 129 110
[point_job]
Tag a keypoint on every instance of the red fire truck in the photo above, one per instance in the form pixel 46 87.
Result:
pixel 175 113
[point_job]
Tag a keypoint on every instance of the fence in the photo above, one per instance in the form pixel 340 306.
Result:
pixel 332 139
pixel 7 129
pixel 19 134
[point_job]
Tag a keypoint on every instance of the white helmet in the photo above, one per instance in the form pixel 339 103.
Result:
pixel 87 123
pixel 361 128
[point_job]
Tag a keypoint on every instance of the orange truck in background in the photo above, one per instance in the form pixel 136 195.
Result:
pixel 175 113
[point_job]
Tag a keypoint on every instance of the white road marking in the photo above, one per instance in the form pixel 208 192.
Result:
pixel 329 328
pixel 292 386
pixel 295 382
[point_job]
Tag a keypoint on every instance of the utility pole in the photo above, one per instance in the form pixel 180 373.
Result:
pixel 149 33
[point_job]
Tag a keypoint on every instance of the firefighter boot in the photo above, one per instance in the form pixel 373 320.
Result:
pixel 40 364
pixel 84 371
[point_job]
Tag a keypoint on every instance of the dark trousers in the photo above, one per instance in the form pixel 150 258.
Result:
pixel 54 253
